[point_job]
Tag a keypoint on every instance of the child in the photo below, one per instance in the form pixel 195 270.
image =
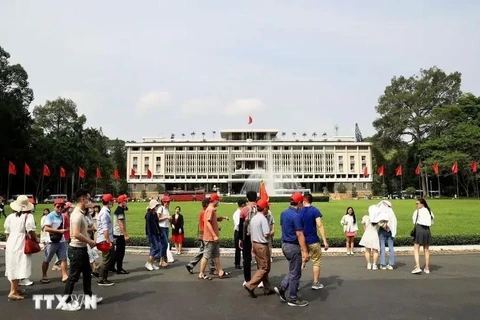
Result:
pixel 43 234
pixel 349 223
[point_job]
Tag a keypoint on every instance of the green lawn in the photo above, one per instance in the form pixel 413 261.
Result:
pixel 452 217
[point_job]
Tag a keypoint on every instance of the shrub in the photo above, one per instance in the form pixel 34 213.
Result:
pixel 354 192
pixel 341 188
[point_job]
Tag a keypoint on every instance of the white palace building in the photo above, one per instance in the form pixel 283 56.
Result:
pixel 240 156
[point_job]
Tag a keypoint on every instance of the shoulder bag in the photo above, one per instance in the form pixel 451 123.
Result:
pixel 413 232
pixel 56 237
pixel 31 246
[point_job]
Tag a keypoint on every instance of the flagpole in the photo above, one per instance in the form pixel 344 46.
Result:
pixel 458 190
pixel 8 186
pixel 24 182
pixel 96 185
pixel 438 182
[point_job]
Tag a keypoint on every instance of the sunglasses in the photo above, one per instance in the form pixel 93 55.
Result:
pixel 60 207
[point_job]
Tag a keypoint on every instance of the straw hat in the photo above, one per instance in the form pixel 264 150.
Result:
pixel 153 203
pixel 21 204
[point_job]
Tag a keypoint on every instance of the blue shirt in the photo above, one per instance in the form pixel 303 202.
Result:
pixel 309 216
pixel 291 222
pixel 104 222
pixel 54 220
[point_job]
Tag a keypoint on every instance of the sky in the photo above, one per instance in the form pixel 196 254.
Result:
pixel 152 68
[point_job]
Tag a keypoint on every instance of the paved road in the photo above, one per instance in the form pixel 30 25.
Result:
pixel 451 291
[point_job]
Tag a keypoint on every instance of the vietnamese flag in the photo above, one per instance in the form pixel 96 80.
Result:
pixel 132 173
pixel 263 191
pixel 46 171
pixel 381 171
pixel 435 168
pixel 27 170
pixel 99 174
pixel 418 170
pixel 63 173
pixel 365 172
pixel 250 119
pixel 116 175
pixel 11 168
pixel 149 174
pixel 81 173
pixel 398 171
pixel 455 168
pixel 473 165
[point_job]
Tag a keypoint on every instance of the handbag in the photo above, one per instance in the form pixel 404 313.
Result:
pixel 413 232
pixel 56 237
pixel 31 246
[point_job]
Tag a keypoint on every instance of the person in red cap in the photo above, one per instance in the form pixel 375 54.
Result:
pixel 66 225
pixel 293 244
pixel 164 219
pixel 105 234
pixel 120 233
pixel 211 235
pixel 260 233
pixel 55 226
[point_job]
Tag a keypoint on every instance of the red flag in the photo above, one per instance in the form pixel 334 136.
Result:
pixel 473 165
pixel 398 171
pixel 63 173
pixel 116 175
pixel 435 168
pixel 149 174
pixel 263 191
pixel 81 173
pixel 365 172
pixel 99 174
pixel 27 169
pixel 418 170
pixel 381 170
pixel 455 168
pixel 11 168
pixel 250 120
pixel 46 171
pixel 132 173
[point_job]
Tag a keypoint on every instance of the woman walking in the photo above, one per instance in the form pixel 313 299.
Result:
pixel 164 219
pixel 18 226
pixel 177 230
pixel 423 220
pixel 152 231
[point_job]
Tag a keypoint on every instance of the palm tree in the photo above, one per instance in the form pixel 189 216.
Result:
pixel 314 135
pixel 294 134
pixel 304 135
pixel 324 135
pixel 203 135
pixel 284 134
pixel 193 135
pixel 172 136
pixel 183 135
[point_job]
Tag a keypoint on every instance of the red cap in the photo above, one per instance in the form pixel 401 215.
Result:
pixel 107 197
pixel 262 204
pixel 297 197
pixel 68 205
pixel 215 197
pixel 59 201
pixel 166 199
pixel 122 198
pixel 103 246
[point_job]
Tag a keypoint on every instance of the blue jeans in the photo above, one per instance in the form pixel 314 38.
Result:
pixel 292 280
pixel 386 235
pixel 164 242
pixel 155 246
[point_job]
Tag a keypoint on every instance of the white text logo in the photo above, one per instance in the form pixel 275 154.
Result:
pixel 77 300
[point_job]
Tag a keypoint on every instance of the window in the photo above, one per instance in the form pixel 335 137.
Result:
pixel 135 160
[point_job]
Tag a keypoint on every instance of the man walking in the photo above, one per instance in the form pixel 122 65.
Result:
pixel 105 234
pixel 312 220
pixel 78 253
pixel 236 231
pixel 245 243
pixel 260 233
pixel 120 233
pixel 293 243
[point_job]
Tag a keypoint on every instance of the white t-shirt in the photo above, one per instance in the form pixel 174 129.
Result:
pixel 236 219
pixel 163 212
pixel 424 217
pixel 259 228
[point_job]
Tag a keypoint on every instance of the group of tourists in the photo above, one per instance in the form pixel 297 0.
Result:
pixel 70 233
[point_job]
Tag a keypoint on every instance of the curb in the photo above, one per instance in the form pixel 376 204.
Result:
pixel 277 252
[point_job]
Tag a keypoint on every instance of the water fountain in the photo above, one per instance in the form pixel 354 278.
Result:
pixel 277 184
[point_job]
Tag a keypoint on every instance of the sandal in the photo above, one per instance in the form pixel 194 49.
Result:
pixel 204 277
pixel 45 280
pixel 224 275
pixel 65 280
pixel 15 297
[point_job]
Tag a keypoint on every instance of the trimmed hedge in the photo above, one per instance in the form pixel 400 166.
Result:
pixel 333 242
pixel 274 199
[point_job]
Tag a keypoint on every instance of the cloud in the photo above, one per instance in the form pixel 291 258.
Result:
pixel 244 106
pixel 152 101
pixel 200 106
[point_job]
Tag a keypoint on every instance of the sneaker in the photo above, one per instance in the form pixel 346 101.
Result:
pixel 149 266
pixel 317 286
pixel 105 283
pixel 417 270
pixel 25 282
pixel 369 266
pixel 427 271
pixel 155 267
pixel 280 293
pixel 298 303
pixel 56 268
pixel 72 306
pixel 383 267
pixel 244 283
pixel 260 285
pixel 374 267
pixel 389 267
